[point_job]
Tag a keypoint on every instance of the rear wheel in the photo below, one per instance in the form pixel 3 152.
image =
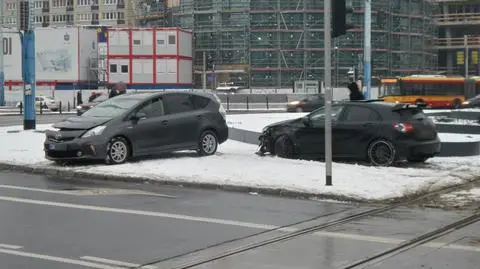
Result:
pixel 284 147
pixel 382 153
pixel 207 144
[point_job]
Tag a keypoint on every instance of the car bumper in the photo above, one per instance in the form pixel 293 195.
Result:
pixel 76 149
pixel 223 134
pixel 415 149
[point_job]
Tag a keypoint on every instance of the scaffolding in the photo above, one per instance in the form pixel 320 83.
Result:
pixel 150 13
pixel 455 19
pixel 273 43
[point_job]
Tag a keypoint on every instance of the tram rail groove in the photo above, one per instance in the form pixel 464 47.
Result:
pixel 232 247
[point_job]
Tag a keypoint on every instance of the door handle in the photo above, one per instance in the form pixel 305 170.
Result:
pixel 165 122
pixel 368 124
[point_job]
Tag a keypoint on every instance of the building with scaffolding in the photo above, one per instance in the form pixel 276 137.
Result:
pixel 458 23
pixel 272 43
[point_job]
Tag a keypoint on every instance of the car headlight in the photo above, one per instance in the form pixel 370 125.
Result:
pixel 294 103
pixel 94 132
pixel 466 103
pixel 79 107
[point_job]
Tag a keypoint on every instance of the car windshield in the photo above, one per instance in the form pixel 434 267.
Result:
pixel 114 107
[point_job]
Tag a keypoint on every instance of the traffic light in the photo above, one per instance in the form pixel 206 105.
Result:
pixel 340 10
pixel 24 15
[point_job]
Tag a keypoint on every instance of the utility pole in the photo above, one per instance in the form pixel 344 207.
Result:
pixel 2 50
pixel 204 73
pixel 328 89
pixel 367 64
pixel 28 62
pixel 465 43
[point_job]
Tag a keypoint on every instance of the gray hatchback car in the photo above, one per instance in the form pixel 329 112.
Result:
pixel 140 124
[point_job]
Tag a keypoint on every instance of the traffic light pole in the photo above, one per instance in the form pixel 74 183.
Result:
pixel 28 64
pixel 367 65
pixel 328 90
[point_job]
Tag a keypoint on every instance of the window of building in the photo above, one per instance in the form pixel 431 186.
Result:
pixel 124 68
pixel 11 6
pixel 172 39
pixel 38 4
pixel 137 42
pixel 109 15
pixel 110 2
pixel 160 42
pixel 113 68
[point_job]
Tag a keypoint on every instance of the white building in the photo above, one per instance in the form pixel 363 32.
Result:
pixel 150 58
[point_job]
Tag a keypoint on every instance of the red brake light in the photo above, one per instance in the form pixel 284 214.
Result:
pixel 403 127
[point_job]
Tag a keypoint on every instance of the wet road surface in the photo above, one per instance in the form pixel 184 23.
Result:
pixel 50 222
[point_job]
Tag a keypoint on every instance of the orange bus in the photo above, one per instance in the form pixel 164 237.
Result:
pixel 434 91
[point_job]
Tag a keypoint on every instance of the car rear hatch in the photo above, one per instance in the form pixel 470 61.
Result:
pixel 422 127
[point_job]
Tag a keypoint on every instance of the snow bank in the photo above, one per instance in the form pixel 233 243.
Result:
pixel 236 164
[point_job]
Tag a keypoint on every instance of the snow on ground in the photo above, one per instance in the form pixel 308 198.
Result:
pixel 236 164
pixel 461 198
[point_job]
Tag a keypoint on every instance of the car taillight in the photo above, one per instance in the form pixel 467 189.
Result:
pixel 403 127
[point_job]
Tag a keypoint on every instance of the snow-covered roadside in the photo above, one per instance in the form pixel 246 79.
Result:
pixel 236 164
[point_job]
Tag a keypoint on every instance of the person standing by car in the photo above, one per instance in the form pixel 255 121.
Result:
pixel 355 93
pixel 118 89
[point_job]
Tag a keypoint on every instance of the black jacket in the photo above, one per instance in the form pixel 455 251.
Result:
pixel 355 93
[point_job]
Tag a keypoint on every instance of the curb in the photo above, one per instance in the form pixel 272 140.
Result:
pixel 72 174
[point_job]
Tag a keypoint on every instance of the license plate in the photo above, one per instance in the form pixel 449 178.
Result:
pixel 51 147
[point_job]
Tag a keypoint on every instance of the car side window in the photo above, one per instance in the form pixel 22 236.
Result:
pixel 199 102
pixel 178 103
pixel 319 115
pixel 357 113
pixel 153 108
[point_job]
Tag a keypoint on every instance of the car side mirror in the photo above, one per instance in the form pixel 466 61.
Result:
pixel 306 121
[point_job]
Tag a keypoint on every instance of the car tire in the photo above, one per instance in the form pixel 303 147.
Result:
pixel 417 159
pixel 284 147
pixel 207 144
pixel 118 151
pixel 378 149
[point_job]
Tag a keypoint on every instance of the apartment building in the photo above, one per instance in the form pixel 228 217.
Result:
pixel 51 13
pixel 458 24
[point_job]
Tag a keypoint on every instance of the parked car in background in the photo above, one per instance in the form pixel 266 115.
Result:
pixel 473 102
pixel 46 102
pixel 95 101
pixel 307 104
pixel 378 132
pixel 140 124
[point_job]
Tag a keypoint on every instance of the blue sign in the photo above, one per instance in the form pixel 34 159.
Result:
pixel 211 77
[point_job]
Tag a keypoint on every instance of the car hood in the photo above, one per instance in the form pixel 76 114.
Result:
pixel 80 123
pixel 294 122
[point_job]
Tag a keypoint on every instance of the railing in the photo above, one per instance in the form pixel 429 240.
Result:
pixel 457 43
pixel 13 107
pixel 457 19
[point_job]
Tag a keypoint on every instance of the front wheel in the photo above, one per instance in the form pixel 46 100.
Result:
pixel 284 147
pixel 382 153
pixel 118 151
pixel 207 144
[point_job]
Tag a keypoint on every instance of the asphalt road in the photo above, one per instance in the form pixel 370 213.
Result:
pixel 54 223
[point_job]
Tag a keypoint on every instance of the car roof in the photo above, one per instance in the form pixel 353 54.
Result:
pixel 146 95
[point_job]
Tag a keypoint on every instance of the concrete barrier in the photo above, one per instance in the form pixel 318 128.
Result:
pixel 449 149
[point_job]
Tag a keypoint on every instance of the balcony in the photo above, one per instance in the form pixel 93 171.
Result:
pixel 69 9
pixel 456 43
pixel 46 10
pixel 95 22
pixel 45 24
pixel 457 19
pixel 120 21
pixel 94 7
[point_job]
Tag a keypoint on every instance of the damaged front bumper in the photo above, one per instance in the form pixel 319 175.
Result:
pixel 263 145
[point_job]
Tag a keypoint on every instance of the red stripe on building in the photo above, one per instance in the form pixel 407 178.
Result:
pixel 178 57
pixel 78 53
pixel 130 55
pixel 154 56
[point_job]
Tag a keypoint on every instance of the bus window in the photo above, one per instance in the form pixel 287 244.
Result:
pixel 389 89
pixel 444 89
pixel 412 88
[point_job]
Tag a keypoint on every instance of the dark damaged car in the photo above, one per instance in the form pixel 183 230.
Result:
pixel 374 131
pixel 140 124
